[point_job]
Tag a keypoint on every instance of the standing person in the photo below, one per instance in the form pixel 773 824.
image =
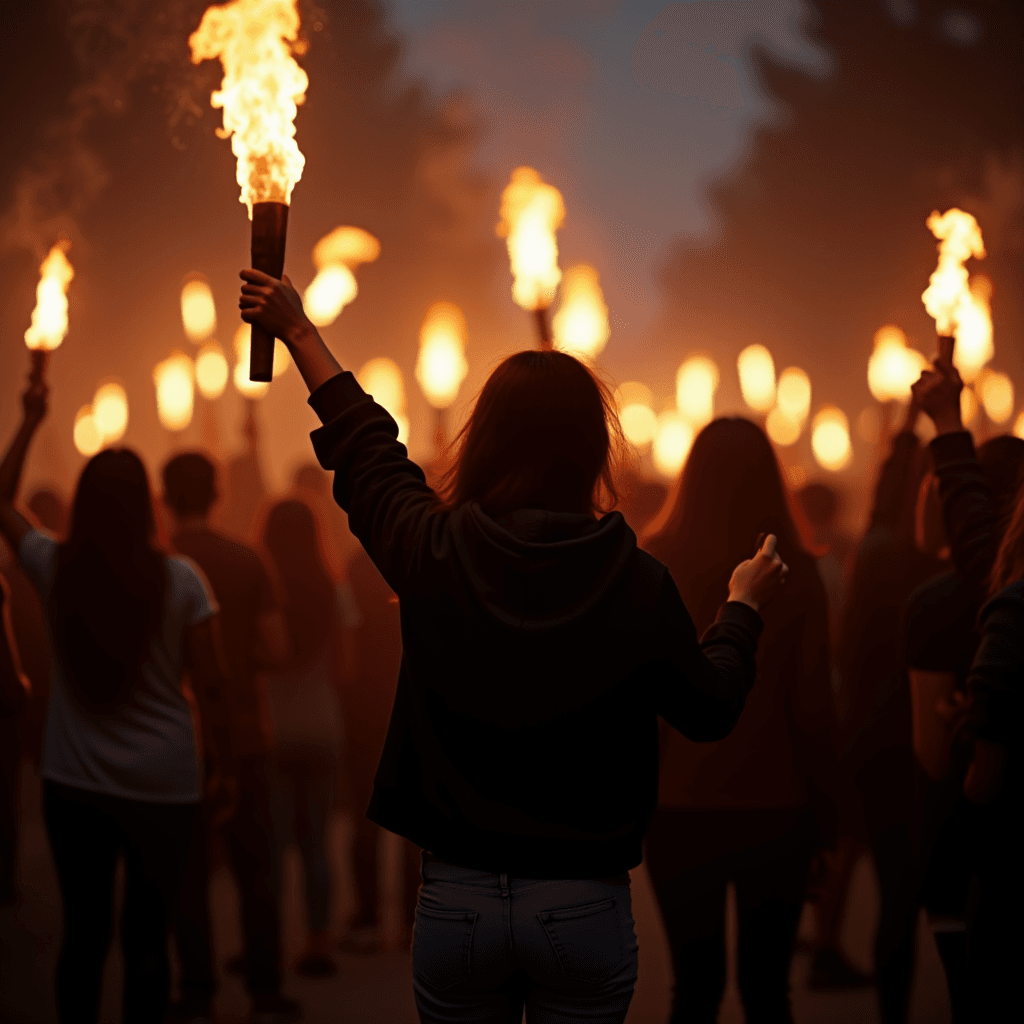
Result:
pixel 121 763
pixel 539 645
pixel 305 708
pixel 742 810
pixel 255 637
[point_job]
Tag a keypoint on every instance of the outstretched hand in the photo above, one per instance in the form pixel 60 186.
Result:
pixel 274 305
pixel 937 392
pixel 757 580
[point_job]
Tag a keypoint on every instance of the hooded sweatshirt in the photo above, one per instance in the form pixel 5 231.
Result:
pixel 539 650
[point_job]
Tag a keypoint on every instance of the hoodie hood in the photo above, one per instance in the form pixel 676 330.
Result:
pixel 538 571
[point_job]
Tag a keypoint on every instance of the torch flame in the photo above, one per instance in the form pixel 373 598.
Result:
pixel 334 286
pixel 893 366
pixel 634 402
pixel 581 324
pixel 260 92
pixel 87 437
pixel 531 212
pixel 174 379
pixel 696 384
pixel 382 379
pixel 50 317
pixel 347 246
pixel 441 367
pixel 110 411
pixel 757 377
pixel 974 346
pixel 198 312
pixel 211 371
pixel 830 439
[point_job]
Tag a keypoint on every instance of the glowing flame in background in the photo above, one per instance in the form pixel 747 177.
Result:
pixel 696 384
pixel 253 388
pixel 960 308
pixel 212 371
pixel 531 213
pixel 441 367
pixel 830 439
pixel 110 411
pixel 757 377
pixel 581 324
pixel 1018 427
pixel 968 406
pixel 382 379
pixel 334 287
pixel 260 93
pixel 174 379
pixel 996 390
pixel 198 312
pixel 785 422
pixel 893 367
pixel 673 440
pixel 634 402
pixel 49 325
pixel 87 437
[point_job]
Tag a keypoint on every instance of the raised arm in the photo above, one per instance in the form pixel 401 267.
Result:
pixel 13 525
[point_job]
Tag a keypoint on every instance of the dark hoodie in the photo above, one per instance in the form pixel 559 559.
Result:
pixel 538 652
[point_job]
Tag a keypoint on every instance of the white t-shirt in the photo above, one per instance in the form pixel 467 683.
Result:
pixel 146 750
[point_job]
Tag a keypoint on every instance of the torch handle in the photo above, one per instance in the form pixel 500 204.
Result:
pixel 269 232
pixel 945 358
pixel 543 327
pixel 40 359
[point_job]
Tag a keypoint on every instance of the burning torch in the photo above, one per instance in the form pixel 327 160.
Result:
pixel 262 87
pixel 581 323
pixel 531 212
pixel 441 367
pixel 49 325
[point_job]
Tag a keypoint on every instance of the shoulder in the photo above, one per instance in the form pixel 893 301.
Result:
pixel 1006 606
pixel 37 549
pixel 188 583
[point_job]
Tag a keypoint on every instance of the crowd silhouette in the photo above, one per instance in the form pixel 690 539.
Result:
pixel 493 666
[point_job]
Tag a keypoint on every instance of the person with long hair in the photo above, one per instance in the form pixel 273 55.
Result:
pixel 539 646
pixel 742 810
pixel 305 708
pixel 121 766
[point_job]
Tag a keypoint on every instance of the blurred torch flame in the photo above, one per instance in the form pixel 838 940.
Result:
pixel 110 411
pixel 785 422
pixel 581 324
pixel 174 379
pixel 441 367
pixel 198 312
pixel 252 388
pixel 673 439
pixel 634 402
pixel 893 366
pixel 334 287
pixel 531 213
pixel 211 371
pixel 262 87
pixel 830 439
pixel 87 436
pixel 757 377
pixel 696 384
pixel 996 391
pixel 49 324
pixel 382 379
pixel 960 307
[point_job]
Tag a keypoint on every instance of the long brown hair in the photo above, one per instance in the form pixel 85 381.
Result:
pixel 108 595
pixel 543 434
pixel 729 493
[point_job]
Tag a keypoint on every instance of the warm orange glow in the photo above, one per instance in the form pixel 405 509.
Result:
pixel 110 411
pixel 174 379
pixel 441 367
pixel 869 424
pixel 696 384
pixel 212 370
pixel 782 429
pixel 382 379
pixel 198 313
pixel 1018 427
pixel 260 92
pixel 757 377
pixel 638 420
pixel 830 439
pixel 996 390
pixel 793 394
pixel 672 442
pixel 581 324
pixel 959 239
pixel 968 406
pixel 893 367
pixel 50 317
pixel 334 286
pixel 87 437
pixel 254 388
pixel 531 213
pixel 974 346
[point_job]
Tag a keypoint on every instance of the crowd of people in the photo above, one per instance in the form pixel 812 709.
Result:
pixel 537 671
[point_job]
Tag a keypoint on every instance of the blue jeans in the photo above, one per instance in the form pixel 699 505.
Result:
pixel 486 945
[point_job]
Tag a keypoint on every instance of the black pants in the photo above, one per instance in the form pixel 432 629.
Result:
pixel 769 872
pixel 252 852
pixel 88 832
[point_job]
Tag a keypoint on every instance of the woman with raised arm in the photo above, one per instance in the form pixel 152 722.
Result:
pixel 540 645
pixel 121 768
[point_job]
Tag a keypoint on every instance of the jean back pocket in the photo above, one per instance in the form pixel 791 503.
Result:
pixel 442 952
pixel 587 940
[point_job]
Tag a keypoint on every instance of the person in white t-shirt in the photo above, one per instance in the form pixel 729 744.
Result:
pixel 121 766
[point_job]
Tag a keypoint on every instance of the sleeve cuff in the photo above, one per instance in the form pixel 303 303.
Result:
pixel 743 615
pixel 949 448
pixel 335 395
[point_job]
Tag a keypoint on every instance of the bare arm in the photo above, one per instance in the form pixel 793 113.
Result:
pixel 932 735
pixel 13 525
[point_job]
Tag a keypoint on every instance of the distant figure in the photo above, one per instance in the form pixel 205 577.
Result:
pixel 751 808
pixel 50 510
pixel 14 690
pixel 244 487
pixel 313 486
pixel 121 768
pixel 306 709
pixel 539 646
pixel 255 637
